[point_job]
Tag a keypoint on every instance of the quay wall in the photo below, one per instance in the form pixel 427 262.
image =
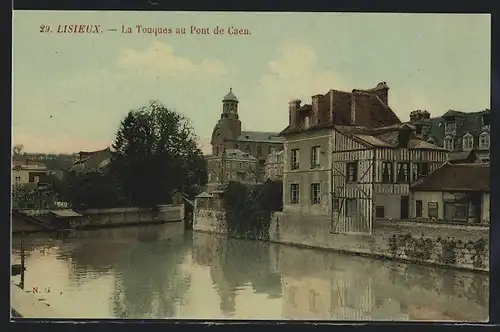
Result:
pixel 425 243
pixel 110 217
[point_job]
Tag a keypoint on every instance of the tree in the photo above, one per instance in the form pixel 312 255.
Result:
pixel 18 149
pixel 155 153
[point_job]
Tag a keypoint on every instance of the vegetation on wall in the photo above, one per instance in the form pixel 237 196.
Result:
pixel 248 209
pixel 445 250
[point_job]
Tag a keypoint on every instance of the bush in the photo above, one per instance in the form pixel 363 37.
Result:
pixel 248 208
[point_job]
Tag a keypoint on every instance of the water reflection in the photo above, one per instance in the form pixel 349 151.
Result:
pixel 161 272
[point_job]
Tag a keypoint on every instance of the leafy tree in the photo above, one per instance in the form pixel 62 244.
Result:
pixel 22 196
pixel 155 153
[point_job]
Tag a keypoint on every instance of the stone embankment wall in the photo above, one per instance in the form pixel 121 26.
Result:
pixel 456 246
pixel 212 221
pixel 118 216
pixel 447 245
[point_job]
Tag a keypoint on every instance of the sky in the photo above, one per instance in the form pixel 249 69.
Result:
pixel 70 91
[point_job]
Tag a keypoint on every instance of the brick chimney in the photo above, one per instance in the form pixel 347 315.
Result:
pixel 315 100
pixel 293 107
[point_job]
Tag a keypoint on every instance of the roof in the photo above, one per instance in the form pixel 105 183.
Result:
pixel 456 177
pixel 235 153
pixel 462 156
pixel 94 159
pixel 386 137
pixel 230 96
pixel 65 213
pixel 204 195
pixel 260 136
pixel 26 163
pixel 471 122
pixel 335 108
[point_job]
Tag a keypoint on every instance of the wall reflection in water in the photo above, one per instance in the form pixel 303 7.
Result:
pixel 161 272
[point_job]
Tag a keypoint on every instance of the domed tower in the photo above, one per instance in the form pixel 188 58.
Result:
pixel 230 105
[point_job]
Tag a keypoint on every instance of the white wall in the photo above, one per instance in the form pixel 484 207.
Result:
pixel 391 204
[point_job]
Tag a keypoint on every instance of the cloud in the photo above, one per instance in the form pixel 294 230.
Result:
pixel 293 73
pixel 160 59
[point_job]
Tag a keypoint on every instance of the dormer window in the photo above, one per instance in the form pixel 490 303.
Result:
pixel 431 140
pixel 484 141
pixel 449 143
pixel 450 126
pixel 486 120
pixel 467 142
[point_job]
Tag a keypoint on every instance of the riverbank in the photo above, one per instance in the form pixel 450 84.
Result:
pixel 32 221
pixel 451 246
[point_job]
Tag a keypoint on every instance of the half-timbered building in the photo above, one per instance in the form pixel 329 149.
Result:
pixel 348 157
pixel 372 171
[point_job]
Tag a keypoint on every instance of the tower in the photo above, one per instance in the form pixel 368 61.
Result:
pixel 229 117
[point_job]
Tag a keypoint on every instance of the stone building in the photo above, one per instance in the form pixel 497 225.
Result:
pixel 227 134
pixel 232 165
pixel 456 131
pixel 273 169
pixel 346 154
pixel 454 192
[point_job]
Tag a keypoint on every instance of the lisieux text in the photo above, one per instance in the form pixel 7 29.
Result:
pixel 141 29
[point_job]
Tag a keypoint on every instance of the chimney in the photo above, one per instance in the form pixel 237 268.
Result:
pixel 382 91
pixel 414 116
pixel 353 107
pixel 293 107
pixel 426 115
pixel 315 108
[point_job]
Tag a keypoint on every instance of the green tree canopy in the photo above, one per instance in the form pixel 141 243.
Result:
pixel 155 152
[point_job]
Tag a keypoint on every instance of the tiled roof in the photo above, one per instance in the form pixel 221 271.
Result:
pixel 456 177
pixel 462 156
pixel 385 137
pixel 94 159
pixel 335 108
pixel 259 136
pixel 470 122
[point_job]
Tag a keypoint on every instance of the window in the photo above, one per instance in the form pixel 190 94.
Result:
pixel 248 149
pixel 403 172
pixel 484 141
pixel 269 149
pixel 467 142
pixel 294 193
pixel 336 204
pixel 352 171
pixel 18 178
pixel 379 212
pixel 418 209
pixel 448 144
pixel 216 151
pixel 295 159
pixel 350 207
pixel 431 140
pixel 306 122
pixel 419 170
pixel 313 300
pixel 387 171
pixel 315 156
pixel 315 197
pixel 259 151
pixel 432 210
pixel 486 120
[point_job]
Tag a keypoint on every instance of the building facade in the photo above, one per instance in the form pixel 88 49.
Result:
pixel 273 169
pixel 454 193
pixel 25 171
pixel 227 134
pixel 232 165
pixel 93 160
pixel 456 131
pixel 347 156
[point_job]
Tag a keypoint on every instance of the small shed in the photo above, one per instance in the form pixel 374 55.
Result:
pixel 64 218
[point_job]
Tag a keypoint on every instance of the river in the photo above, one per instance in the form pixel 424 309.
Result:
pixel 164 272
